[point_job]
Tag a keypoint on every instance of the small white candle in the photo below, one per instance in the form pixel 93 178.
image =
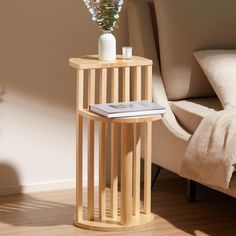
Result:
pixel 127 52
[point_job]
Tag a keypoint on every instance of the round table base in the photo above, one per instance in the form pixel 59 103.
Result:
pixel 111 225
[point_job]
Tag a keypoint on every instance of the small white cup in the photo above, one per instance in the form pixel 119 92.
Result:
pixel 127 52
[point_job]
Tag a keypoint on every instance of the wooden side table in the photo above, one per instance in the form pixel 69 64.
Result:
pixel 138 73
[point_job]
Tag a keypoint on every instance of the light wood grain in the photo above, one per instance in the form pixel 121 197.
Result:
pixel 102 170
pixel 137 76
pixel 114 145
pixel 79 146
pixel 148 83
pixel 148 145
pixel 126 84
pixel 92 62
pixel 108 226
pixel 50 213
pixel 147 167
pixel 136 175
pixel 79 168
pixel 91 86
pixel 80 89
pixel 134 119
pixel 103 86
pixel 91 100
pixel 137 83
pixel 130 215
pixel 115 85
pixel 102 146
pixel 126 173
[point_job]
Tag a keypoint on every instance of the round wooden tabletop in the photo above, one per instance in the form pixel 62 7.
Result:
pixel 128 120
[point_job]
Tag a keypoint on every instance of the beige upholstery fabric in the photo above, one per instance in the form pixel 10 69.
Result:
pixel 191 112
pixel 185 26
pixel 220 68
pixel 141 34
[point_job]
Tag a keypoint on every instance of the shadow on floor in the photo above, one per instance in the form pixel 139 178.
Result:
pixel 213 213
pixel 24 210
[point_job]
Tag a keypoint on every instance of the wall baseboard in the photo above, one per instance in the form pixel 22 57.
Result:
pixel 41 187
pixel 59 185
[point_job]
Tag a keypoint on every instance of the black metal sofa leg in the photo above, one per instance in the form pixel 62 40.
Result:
pixel 191 190
pixel 156 174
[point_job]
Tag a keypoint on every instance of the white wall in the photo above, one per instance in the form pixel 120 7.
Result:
pixel 37 89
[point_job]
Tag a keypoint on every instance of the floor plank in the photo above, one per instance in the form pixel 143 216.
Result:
pixel 51 213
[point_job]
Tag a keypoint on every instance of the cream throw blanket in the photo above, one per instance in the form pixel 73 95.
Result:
pixel 211 154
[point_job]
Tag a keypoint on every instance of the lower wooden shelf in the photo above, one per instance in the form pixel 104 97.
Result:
pixel 113 225
pixel 124 120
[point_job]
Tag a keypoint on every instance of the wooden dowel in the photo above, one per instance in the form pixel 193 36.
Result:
pixel 90 170
pixel 91 100
pixel 115 85
pixel 126 84
pixel 103 86
pixel 80 90
pixel 114 145
pixel 137 143
pixel 102 147
pixel 137 83
pixel 147 167
pixel 79 147
pixel 126 173
pixel 102 171
pixel 91 87
pixel 136 175
pixel 148 83
pixel 148 144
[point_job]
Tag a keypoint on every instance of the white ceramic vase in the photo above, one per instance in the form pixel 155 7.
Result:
pixel 107 47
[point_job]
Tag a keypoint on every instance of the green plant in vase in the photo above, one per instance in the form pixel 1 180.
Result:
pixel 106 14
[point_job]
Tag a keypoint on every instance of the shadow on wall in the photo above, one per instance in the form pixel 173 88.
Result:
pixel 38 38
pixel 9 181
pixel 2 91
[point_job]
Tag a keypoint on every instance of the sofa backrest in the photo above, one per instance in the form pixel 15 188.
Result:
pixel 141 24
pixel 185 26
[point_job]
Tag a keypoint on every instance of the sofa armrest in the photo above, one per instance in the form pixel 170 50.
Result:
pixel 169 119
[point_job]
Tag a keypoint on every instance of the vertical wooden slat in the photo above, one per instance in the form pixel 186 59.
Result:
pixel 126 157
pixel 114 145
pixel 148 144
pixel 137 144
pixel 103 86
pixel 126 173
pixel 79 147
pixel 137 83
pixel 115 85
pixel 126 84
pixel 148 83
pixel 91 100
pixel 102 147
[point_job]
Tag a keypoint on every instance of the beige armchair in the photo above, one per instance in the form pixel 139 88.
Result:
pixel 168 32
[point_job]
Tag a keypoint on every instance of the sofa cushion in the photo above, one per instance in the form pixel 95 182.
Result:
pixel 220 68
pixel 190 112
pixel 185 26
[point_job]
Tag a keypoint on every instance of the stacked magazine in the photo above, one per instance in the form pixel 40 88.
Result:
pixel 127 109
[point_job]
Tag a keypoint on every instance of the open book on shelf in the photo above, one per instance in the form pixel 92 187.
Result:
pixel 127 109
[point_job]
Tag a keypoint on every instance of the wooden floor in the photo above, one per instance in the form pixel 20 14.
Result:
pixel 51 213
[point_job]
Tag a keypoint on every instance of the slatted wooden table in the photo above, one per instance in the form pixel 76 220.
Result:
pixel 102 82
